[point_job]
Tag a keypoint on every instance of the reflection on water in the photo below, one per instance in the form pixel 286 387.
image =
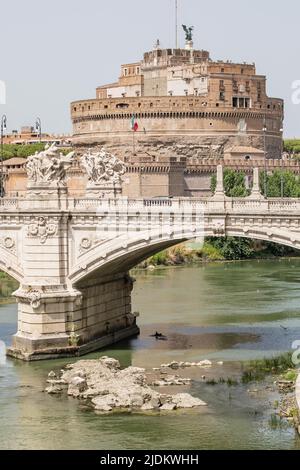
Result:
pixel 222 311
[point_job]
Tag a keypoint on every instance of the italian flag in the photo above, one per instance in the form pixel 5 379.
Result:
pixel 134 124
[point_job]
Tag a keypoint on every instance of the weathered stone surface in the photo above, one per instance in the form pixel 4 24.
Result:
pixel 204 363
pixel 171 380
pixel 168 407
pixel 77 385
pixel 54 389
pixel 106 386
pixel 181 365
pixel 185 400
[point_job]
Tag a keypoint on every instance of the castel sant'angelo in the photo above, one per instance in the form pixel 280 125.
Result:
pixel 172 117
pixel 175 108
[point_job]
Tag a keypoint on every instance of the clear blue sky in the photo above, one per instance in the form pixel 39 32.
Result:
pixel 53 52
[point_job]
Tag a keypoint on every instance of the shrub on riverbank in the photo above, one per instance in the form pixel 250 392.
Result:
pixel 219 249
pixel 177 255
pixel 258 369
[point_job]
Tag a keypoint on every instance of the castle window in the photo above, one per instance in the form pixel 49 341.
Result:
pixel 222 96
pixel 239 102
pixel 222 70
pixel 242 71
pixel 75 109
pixel 125 72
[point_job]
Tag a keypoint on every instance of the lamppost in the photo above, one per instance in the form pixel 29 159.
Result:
pixel 3 128
pixel 265 155
pixel 38 127
pixel 281 176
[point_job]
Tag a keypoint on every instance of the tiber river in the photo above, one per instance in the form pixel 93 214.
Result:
pixel 224 312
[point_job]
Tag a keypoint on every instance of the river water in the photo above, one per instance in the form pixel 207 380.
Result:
pixel 223 312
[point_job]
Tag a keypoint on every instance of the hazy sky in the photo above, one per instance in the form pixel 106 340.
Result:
pixel 53 52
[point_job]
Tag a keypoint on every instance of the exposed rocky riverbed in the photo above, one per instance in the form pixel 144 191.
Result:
pixel 106 387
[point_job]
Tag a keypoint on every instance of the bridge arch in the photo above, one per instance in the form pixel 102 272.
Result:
pixel 112 258
pixel 9 266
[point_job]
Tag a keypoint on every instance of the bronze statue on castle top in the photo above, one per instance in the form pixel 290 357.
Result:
pixel 188 32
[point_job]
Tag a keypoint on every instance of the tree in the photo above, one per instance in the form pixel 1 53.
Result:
pixel 233 248
pixel 278 181
pixel 234 183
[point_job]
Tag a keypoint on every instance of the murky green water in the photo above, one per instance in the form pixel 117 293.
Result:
pixel 226 312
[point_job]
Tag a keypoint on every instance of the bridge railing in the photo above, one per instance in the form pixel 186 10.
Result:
pixel 9 203
pixel 182 204
pixel 230 205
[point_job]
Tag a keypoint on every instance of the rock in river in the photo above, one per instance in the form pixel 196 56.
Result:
pixel 106 386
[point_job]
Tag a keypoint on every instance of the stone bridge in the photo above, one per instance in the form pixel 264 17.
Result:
pixel 72 257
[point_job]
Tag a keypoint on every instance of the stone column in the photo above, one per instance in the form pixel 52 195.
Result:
pixel 255 193
pixel 219 192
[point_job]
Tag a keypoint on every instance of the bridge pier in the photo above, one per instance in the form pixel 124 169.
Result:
pixel 56 323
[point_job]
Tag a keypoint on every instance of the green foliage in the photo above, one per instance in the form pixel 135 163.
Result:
pixel 159 258
pixel 258 369
pixel 275 249
pixel 232 248
pixel 234 183
pixel 280 183
pixel 211 252
pixel 23 151
pixel 291 375
pixel 292 146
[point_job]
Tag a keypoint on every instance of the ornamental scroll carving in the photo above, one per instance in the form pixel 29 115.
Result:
pixel 42 227
pixel 103 168
pixel 48 166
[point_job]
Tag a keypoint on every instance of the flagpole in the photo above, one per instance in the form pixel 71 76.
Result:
pixel 133 141
pixel 176 23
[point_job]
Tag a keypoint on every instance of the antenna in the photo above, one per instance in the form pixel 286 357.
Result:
pixel 176 23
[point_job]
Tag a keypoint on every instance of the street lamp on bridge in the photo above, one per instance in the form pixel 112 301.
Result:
pixel 3 128
pixel 281 176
